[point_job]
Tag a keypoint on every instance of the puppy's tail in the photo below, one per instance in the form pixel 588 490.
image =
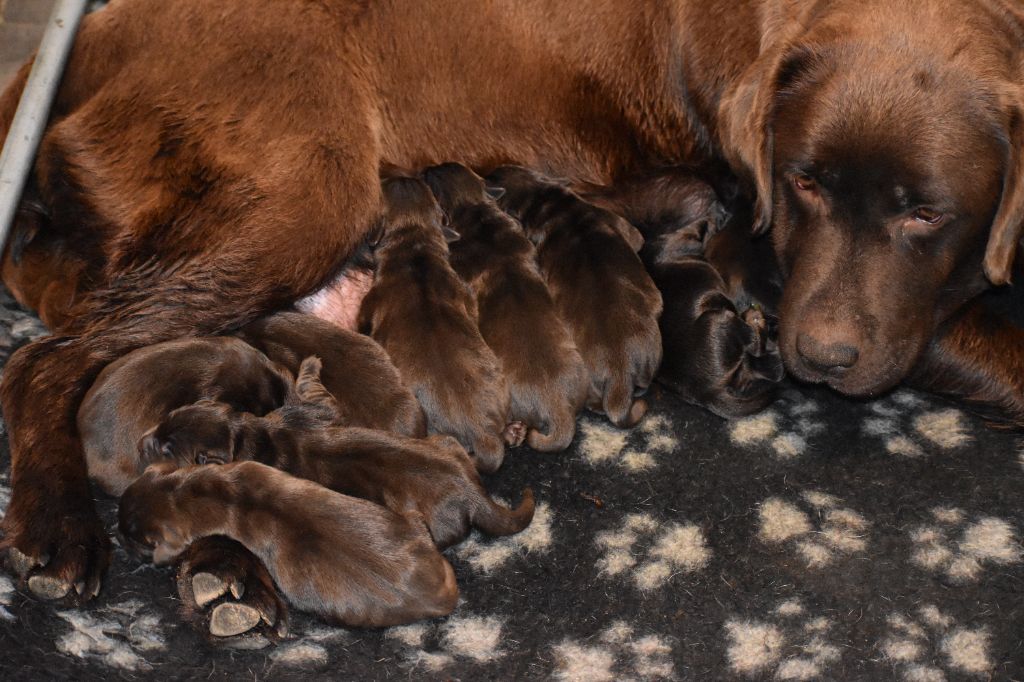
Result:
pixel 559 436
pixel 619 405
pixel 494 519
pixel 314 396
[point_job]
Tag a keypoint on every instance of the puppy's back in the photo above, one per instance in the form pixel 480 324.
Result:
pixel 132 394
pixel 356 371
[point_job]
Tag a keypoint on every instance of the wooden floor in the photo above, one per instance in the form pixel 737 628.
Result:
pixel 21 27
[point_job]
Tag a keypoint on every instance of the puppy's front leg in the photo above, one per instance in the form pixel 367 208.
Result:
pixel 977 358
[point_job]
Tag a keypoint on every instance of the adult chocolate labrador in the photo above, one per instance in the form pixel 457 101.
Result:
pixel 211 160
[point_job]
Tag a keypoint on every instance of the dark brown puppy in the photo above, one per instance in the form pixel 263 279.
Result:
pixel 231 186
pixel 548 381
pixel 433 476
pixel 367 387
pixel 720 286
pixel 132 395
pixel 598 283
pixel 425 317
pixel 347 560
pixel 717 355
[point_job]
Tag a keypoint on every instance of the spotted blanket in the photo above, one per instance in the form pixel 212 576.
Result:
pixel 821 539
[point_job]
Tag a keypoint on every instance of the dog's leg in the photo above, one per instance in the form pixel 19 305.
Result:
pixel 226 591
pixel 264 260
pixel 977 358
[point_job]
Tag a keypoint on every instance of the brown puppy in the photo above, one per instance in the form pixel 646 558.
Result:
pixel 720 286
pixel 347 560
pixel 719 347
pixel 425 317
pixel 608 301
pixel 433 476
pixel 548 381
pixel 356 371
pixel 243 178
pixel 132 395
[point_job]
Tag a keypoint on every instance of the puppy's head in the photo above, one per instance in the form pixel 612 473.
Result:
pixel 409 203
pixel 149 521
pixel 200 433
pixel 889 164
pixel 456 185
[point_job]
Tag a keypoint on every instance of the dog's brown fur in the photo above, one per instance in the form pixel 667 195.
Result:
pixel 548 381
pixel 132 395
pixel 599 285
pixel 433 476
pixel 345 559
pixel 425 317
pixel 156 170
pixel 356 371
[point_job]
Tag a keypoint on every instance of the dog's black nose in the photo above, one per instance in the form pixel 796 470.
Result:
pixel 826 355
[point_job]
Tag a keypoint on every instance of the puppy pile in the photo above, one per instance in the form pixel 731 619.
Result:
pixel 334 466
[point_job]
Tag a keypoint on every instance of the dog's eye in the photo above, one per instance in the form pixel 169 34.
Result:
pixel 804 182
pixel 928 216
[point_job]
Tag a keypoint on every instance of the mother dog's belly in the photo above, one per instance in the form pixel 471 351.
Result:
pixel 338 302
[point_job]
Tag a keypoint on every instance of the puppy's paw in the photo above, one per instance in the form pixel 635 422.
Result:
pixel 515 433
pixel 228 594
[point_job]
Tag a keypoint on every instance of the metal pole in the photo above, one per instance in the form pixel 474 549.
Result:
pixel 34 108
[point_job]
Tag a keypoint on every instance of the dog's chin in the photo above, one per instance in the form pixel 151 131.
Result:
pixel 856 382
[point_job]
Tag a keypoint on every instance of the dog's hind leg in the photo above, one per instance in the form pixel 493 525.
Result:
pixel 619 404
pixel 227 592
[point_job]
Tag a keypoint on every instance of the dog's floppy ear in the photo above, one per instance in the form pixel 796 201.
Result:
pixel 1009 221
pixel 745 112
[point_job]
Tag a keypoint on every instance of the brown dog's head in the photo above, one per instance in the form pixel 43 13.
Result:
pixel 201 433
pixel 886 144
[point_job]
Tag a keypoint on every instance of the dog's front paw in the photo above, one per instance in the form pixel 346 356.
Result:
pixel 228 593
pixel 58 548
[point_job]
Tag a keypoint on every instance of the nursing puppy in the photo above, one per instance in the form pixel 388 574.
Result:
pixel 433 476
pixel 548 381
pixel 347 560
pixel 366 386
pixel 599 286
pixel 134 393
pixel 425 317
pixel 720 286
pixel 720 352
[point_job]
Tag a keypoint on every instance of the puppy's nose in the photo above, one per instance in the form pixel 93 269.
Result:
pixel 826 354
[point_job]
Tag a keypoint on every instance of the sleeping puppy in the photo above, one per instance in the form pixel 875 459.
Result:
pixel 425 317
pixel 367 388
pixel 599 286
pixel 347 560
pixel 548 381
pixel 433 476
pixel 720 285
pixel 134 393
pixel 717 355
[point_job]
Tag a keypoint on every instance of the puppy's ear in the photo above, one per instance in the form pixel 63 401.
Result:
pixel 630 233
pixel 745 112
pixel 686 242
pixel 1008 225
